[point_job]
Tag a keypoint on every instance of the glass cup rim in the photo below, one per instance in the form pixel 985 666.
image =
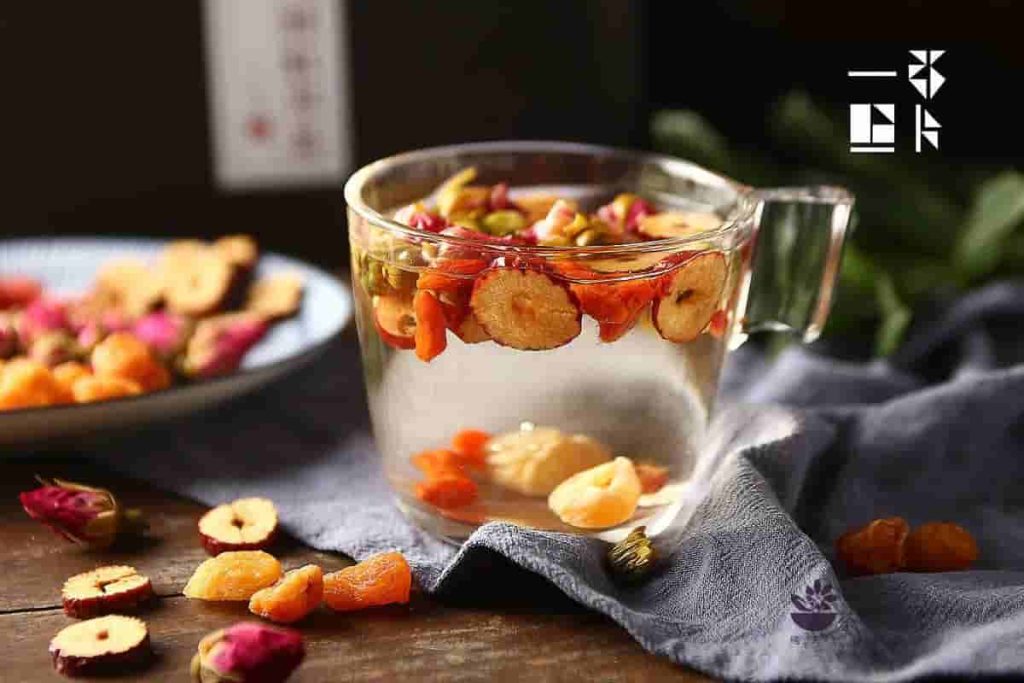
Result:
pixel 740 215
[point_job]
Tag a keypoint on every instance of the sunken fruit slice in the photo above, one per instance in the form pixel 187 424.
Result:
pixel 105 590
pixel 677 224
pixel 598 498
pixel 525 309
pixel 395 321
pixel 383 579
pixel 107 644
pixel 233 576
pixel 293 597
pixel 692 295
pixel 243 524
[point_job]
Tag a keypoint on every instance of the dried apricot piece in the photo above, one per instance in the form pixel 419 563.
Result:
pixel 105 590
pixel 940 547
pixel 90 389
pixel 26 383
pixel 876 548
pixel 124 355
pixel 383 579
pixel 68 373
pixel 431 330
pixel 598 498
pixel 652 477
pixel 233 575
pixel 438 462
pixel 448 490
pixel 469 445
pixel 297 594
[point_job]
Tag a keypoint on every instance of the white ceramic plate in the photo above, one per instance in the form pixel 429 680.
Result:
pixel 68 266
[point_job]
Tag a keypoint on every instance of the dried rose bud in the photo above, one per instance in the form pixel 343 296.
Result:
pixel 89 335
pixel 42 316
pixel 164 332
pixel 632 558
pixel 17 291
pixel 79 513
pixel 53 348
pixel 8 336
pixel 220 343
pixel 429 222
pixel 248 652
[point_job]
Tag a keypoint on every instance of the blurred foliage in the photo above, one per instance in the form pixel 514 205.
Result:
pixel 924 228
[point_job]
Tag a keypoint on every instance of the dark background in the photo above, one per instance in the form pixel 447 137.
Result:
pixel 104 107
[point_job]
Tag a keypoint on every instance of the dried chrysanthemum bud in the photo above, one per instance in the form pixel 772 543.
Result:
pixel 248 652
pixel 632 558
pixel 79 513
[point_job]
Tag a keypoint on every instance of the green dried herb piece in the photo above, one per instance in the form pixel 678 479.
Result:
pixel 632 558
pixel 504 222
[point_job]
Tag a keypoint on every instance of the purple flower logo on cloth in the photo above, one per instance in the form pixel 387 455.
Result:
pixel 815 608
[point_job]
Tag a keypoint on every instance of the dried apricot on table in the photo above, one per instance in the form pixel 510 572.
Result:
pixel 109 644
pixel 383 579
pixel 876 548
pixel 235 575
pixel 243 524
pixel 105 590
pixel 940 547
pixel 293 597
pixel 598 498
pixel 690 298
pixel 447 490
pixel 470 446
pixel 431 330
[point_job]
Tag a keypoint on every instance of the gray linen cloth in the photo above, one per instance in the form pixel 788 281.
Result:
pixel 810 446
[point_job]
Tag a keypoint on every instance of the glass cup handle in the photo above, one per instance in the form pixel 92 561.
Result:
pixel 797 249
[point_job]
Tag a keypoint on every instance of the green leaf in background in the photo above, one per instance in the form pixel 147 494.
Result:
pixel 998 211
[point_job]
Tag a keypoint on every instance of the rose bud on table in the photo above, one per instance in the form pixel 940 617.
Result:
pixel 248 652
pixel 79 513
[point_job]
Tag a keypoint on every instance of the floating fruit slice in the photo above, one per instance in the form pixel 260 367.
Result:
pixel 109 644
pixel 691 297
pixel 233 575
pixel 395 321
pixel 243 524
pixel 248 651
pixel 525 309
pixel 677 224
pixel 431 330
pixel 198 282
pixel 875 548
pixel 470 445
pixel 598 498
pixel 383 579
pixel 940 547
pixel 447 490
pixel 535 460
pixel 276 297
pixel 293 597
pixel 105 590
pixel 451 275
pixel 652 477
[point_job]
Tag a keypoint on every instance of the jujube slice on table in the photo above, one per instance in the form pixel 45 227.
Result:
pixel 598 498
pixel 105 590
pixel 248 652
pixel 395 321
pixel 525 309
pixel 104 645
pixel 382 579
pixel 243 524
pixel 940 547
pixel 875 548
pixel 233 576
pixel 691 295
pixel 295 595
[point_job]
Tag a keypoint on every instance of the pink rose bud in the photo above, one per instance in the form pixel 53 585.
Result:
pixel 79 513
pixel 42 316
pixel 638 211
pixel 165 332
pixel 499 200
pixel 248 652
pixel 90 334
pixel 430 222
pixel 221 342
pixel 18 291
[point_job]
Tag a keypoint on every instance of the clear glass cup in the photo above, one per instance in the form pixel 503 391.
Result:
pixel 645 390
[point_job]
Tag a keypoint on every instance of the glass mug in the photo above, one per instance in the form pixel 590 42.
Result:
pixel 643 389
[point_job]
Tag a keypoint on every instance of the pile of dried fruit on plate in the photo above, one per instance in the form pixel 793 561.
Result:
pixel 192 314
pixel 237 535
pixel 485 286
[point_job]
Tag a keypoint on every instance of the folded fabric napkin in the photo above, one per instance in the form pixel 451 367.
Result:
pixel 810 447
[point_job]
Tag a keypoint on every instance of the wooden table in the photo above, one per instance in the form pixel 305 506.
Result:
pixel 424 640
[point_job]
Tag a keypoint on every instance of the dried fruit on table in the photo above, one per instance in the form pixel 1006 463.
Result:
pixel 298 593
pixel 220 343
pixel 382 579
pixel 692 295
pixel 431 330
pixel 105 590
pixel 164 332
pixel 276 297
pixel 652 477
pixel 940 547
pixel 128 285
pixel 633 558
pixel 525 309
pixel 600 497
pixel 535 460
pixel 196 281
pixel 248 652
pixel 470 445
pixel 875 548
pixel 235 575
pixel 243 524
pixel 448 490
pixel 91 388
pixel 80 513
pixel 26 383
pixel 677 224
pixel 18 291
pixel 124 355
pixel 104 645
pixel 395 321
pixel 240 251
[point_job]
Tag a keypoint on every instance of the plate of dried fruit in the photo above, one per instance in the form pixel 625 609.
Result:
pixel 106 334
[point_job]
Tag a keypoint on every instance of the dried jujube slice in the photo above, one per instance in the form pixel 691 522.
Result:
pixel 691 296
pixel 525 309
pixel 276 297
pixel 110 644
pixel 875 548
pixel 243 524
pixel 940 547
pixel 105 590
pixel 197 282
